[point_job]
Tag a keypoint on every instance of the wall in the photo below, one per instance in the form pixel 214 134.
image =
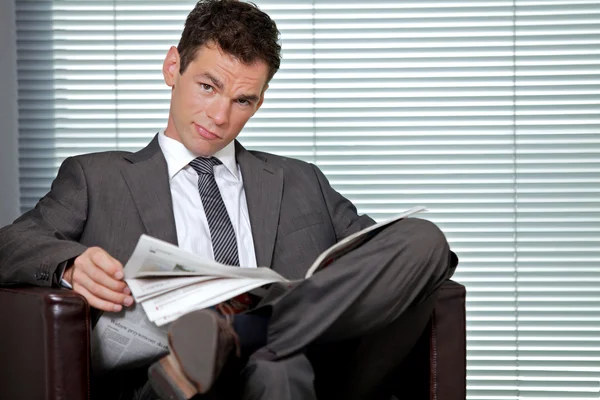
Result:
pixel 9 156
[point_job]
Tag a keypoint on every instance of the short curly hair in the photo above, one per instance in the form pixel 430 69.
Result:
pixel 240 29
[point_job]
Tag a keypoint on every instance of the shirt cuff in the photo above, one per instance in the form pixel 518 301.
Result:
pixel 65 284
pixel 60 271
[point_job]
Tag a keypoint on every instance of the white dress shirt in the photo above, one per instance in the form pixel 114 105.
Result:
pixel 193 233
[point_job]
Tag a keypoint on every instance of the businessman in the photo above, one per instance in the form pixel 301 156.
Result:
pixel 195 186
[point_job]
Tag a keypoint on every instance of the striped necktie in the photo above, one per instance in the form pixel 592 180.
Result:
pixel 222 234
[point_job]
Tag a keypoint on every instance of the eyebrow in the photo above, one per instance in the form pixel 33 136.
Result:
pixel 252 98
pixel 214 80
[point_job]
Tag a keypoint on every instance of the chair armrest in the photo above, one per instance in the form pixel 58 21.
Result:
pixel 448 344
pixel 45 344
pixel 435 369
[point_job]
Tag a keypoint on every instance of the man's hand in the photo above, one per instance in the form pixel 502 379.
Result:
pixel 97 276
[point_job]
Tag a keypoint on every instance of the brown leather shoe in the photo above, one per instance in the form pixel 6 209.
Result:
pixel 201 343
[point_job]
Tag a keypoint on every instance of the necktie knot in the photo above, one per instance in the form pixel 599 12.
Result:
pixel 204 166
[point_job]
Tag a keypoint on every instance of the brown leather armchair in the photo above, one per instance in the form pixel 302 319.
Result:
pixel 45 347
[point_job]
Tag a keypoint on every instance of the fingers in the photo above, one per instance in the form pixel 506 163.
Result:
pixel 97 276
pixel 97 302
pixel 98 289
pixel 103 275
pixel 111 266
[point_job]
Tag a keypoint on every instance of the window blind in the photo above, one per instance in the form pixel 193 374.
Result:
pixel 557 165
pixel 487 112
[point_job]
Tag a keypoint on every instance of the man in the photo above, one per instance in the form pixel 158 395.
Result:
pixel 195 186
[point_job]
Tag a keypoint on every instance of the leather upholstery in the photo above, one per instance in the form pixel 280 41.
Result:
pixel 436 367
pixel 44 344
pixel 45 347
pixel 448 345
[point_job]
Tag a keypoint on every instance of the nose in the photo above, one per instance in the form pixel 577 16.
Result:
pixel 218 110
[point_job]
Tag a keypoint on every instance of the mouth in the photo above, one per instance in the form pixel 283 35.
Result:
pixel 205 133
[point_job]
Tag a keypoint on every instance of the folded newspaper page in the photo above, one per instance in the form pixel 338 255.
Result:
pixel 167 282
pixel 126 340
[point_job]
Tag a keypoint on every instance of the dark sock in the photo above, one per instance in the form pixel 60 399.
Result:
pixel 252 330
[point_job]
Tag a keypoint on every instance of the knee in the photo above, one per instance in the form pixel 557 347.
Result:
pixel 424 233
pixel 425 241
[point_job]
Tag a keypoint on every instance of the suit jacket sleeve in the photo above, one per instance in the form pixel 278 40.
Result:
pixel 33 247
pixel 342 212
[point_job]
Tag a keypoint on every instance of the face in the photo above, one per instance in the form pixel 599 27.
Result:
pixel 213 99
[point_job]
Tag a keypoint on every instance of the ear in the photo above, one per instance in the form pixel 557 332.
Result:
pixel 171 66
pixel 262 99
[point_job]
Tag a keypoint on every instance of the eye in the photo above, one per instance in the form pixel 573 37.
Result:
pixel 206 87
pixel 243 102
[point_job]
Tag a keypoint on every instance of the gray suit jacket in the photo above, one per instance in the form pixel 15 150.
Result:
pixel 110 199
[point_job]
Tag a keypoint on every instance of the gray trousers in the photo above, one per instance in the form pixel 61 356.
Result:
pixel 343 332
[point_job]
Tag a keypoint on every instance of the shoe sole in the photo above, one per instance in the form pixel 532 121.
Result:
pixel 194 340
pixel 189 369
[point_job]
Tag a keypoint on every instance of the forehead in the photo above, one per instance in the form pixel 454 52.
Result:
pixel 228 69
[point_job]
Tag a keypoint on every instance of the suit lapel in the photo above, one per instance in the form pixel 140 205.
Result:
pixel 263 185
pixel 148 180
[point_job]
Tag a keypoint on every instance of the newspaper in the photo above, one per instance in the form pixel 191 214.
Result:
pixel 167 282
pixel 126 340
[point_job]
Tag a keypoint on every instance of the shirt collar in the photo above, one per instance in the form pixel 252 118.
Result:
pixel 178 156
